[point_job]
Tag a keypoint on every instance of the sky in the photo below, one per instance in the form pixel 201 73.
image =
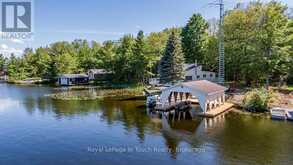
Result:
pixel 100 20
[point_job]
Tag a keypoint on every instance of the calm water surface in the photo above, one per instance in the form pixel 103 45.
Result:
pixel 37 130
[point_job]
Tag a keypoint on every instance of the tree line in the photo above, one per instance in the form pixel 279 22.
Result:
pixel 258 48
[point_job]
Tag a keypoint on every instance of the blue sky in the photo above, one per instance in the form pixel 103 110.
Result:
pixel 100 20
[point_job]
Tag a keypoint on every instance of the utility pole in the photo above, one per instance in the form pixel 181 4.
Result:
pixel 221 69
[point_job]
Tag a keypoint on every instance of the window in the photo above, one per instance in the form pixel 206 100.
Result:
pixel 188 78
pixel 211 75
pixel 204 76
pixel 197 77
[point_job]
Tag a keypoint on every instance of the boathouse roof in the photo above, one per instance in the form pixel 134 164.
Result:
pixel 204 86
pixel 74 76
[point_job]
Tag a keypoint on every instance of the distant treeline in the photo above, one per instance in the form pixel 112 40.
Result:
pixel 258 47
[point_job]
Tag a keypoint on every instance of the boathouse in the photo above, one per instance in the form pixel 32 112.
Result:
pixel 73 79
pixel 209 95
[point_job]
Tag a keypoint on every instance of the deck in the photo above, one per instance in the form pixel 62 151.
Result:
pixel 217 111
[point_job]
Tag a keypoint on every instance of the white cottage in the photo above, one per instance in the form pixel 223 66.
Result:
pixel 210 95
pixel 195 72
pixel 191 72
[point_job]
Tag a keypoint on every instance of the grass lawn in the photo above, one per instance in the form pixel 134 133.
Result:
pixel 290 87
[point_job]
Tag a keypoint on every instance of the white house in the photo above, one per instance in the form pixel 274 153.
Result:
pixel 98 74
pixel 192 72
pixel 195 72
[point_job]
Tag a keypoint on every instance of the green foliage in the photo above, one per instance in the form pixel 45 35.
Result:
pixel 2 62
pixel 258 100
pixel 171 65
pixel 123 69
pixel 193 38
pixel 139 60
pixel 258 45
pixel 256 42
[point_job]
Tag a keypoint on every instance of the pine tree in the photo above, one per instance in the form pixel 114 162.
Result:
pixel 171 64
pixel 139 60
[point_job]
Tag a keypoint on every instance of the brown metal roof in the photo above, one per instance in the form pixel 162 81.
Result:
pixel 204 86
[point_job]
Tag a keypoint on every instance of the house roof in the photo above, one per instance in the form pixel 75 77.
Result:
pixel 189 66
pixel 99 71
pixel 74 75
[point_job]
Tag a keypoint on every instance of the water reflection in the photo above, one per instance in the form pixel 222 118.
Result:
pixel 227 139
pixel 6 103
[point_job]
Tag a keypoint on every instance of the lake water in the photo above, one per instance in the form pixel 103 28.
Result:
pixel 35 130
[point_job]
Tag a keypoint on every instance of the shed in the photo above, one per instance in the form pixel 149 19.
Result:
pixel 73 79
pixel 210 95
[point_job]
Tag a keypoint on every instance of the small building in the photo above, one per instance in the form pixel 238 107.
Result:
pixel 73 79
pixel 209 95
pixel 100 74
pixel 195 72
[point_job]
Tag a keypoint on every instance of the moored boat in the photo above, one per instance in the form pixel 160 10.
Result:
pixel 278 113
pixel 282 113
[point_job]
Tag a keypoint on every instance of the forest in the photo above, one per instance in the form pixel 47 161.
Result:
pixel 258 48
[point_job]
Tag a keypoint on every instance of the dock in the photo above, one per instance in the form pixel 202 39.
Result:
pixel 217 111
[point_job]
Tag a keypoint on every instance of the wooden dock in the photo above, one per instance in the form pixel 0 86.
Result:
pixel 217 111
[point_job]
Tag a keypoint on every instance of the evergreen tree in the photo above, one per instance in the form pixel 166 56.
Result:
pixel 171 65
pixel 139 60
pixel 193 37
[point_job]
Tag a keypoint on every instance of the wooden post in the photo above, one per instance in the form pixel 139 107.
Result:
pixel 181 96
pixel 170 98
pixel 175 96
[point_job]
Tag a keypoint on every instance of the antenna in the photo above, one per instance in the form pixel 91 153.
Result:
pixel 221 68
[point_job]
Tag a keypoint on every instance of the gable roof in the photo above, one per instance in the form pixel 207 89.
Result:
pixel 188 67
pixel 204 86
pixel 74 75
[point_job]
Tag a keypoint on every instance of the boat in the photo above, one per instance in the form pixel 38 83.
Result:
pixel 282 113
pixel 278 113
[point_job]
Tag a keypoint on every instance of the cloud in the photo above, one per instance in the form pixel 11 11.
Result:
pixel 17 41
pixel 3 46
pixel 7 51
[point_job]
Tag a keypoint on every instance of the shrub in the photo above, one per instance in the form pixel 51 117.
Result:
pixel 258 100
